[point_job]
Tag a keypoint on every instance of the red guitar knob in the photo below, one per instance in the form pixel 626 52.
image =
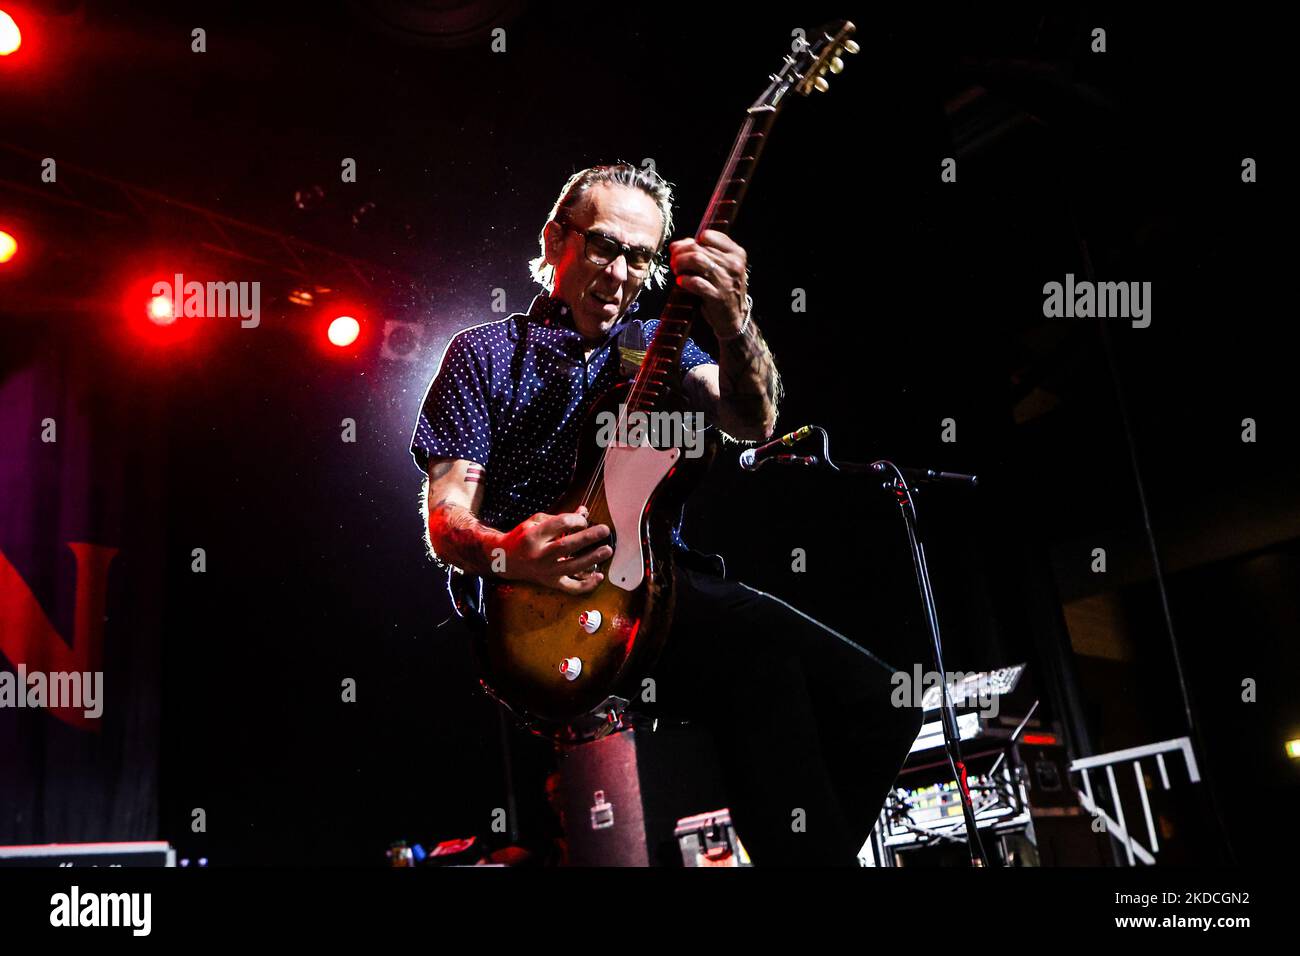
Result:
pixel 590 620
pixel 571 667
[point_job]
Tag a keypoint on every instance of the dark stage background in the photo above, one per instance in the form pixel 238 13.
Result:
pixel 924 303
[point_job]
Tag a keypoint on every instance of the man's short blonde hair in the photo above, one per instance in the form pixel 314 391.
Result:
pixel 618 174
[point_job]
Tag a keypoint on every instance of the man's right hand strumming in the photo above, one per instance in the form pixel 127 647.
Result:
pixel 556 551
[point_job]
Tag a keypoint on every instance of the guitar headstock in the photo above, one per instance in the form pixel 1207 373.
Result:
pixel 805 68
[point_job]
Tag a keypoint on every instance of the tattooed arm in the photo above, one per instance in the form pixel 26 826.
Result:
pixel 453 497
pixel 742 393
pixel 559 551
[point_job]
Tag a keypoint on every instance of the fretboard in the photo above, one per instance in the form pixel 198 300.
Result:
pixel 664 355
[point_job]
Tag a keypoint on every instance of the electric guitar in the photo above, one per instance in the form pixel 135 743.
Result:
pixel 567 665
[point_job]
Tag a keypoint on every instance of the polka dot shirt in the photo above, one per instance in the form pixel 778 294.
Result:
pixel 512 395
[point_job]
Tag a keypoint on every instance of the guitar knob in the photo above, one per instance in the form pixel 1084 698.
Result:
pixel 836 64
pixel 821 84
pixel 590 620
pixel 571 667
pixel 851 46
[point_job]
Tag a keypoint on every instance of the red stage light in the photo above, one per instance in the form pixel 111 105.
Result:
pixel 344 330
pixel 149 312
pixel 11 38
pixel 160 310
pixel 8 247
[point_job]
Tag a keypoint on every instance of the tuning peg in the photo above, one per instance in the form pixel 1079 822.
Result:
pixel 851 46
pixel 836 64
pixel 821 84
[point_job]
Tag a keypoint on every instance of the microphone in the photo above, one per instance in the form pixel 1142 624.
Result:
pixel 751 459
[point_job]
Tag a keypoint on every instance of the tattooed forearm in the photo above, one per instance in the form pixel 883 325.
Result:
pixel 459 539
pixel 449 500
pixel 749 384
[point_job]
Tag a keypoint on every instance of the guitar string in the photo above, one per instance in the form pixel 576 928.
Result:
pixel 597 479
pixel 640 387
pixel 597 483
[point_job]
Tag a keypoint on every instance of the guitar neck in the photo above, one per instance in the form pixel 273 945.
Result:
pixel 664 355
pixel 803 72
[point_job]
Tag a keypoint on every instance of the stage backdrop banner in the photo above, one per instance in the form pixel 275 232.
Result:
pixel 81 566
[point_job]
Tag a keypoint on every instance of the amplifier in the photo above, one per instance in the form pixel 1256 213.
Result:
pixel 150 853
pixel 623 794
pixel 1047 776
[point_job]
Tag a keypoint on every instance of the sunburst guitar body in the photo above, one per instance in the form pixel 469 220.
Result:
pixel 553 657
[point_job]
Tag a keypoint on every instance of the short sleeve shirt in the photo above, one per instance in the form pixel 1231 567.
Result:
pixel 512 395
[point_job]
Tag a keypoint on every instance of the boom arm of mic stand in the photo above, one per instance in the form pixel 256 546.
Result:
pixel 913 476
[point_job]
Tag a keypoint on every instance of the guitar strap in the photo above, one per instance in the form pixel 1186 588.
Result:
pixel 631 348
pixel 466 592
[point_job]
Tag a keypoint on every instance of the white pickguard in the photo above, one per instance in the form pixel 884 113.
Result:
pixel 631 475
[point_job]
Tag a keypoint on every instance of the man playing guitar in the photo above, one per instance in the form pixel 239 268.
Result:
pixel 802 716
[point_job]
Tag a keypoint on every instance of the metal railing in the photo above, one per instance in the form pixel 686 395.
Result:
pixel 1117 826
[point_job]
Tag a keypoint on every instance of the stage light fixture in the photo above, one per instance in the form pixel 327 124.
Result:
pixel 307 296
pixel 344 330
pixel 402 341
pixel 1293 749
pixel 11 38
pixel 160 310
pixel 8 247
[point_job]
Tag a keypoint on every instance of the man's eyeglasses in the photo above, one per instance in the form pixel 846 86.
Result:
pixel 602 250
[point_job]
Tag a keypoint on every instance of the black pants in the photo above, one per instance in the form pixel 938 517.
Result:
pixel 808 741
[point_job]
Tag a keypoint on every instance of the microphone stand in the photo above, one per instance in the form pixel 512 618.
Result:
pixel 902 482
